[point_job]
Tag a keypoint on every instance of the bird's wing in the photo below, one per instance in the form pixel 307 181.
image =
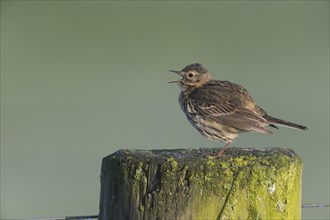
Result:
pixel 242 119
pixel 228 109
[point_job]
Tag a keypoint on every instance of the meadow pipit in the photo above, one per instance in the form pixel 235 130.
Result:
pixel 220 110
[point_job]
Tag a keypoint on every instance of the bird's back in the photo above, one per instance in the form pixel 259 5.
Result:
pixel 224 94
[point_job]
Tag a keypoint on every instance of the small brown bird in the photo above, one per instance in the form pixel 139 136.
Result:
pixel 220 110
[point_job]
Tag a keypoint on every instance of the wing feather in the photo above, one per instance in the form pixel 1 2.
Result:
pixel 229 108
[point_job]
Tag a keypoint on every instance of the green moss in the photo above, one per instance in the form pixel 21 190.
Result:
pixel 138 171
pixel 210 161
pixel 174 163
pixel 240 161
pixel 254 189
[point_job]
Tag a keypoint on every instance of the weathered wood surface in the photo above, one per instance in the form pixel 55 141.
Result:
pixel 189 184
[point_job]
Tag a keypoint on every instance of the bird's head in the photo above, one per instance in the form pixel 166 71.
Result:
pixel 193 76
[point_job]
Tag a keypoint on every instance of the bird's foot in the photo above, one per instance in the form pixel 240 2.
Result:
pixel 220 154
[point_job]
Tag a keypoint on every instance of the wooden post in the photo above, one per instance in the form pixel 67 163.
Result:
pixel 246 183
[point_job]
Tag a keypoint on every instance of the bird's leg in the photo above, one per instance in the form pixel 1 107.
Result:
pixel 222 151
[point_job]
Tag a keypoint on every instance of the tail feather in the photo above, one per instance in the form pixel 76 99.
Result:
pixel 272 120
pixel 274 126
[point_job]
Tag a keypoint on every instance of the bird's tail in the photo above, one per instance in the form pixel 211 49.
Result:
pixel 277 121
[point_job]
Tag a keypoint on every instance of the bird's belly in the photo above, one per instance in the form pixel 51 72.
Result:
pixel 213 130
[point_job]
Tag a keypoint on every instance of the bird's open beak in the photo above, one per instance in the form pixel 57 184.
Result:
pixel 177 72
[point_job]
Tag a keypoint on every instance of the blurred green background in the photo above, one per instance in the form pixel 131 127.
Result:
pixel 82 79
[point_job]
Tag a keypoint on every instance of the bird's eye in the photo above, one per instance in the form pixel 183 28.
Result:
pixel 190 75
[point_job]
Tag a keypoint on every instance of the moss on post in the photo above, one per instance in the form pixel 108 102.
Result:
pixel 189 184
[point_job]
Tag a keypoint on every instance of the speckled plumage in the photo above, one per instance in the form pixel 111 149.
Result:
pixel 220 110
